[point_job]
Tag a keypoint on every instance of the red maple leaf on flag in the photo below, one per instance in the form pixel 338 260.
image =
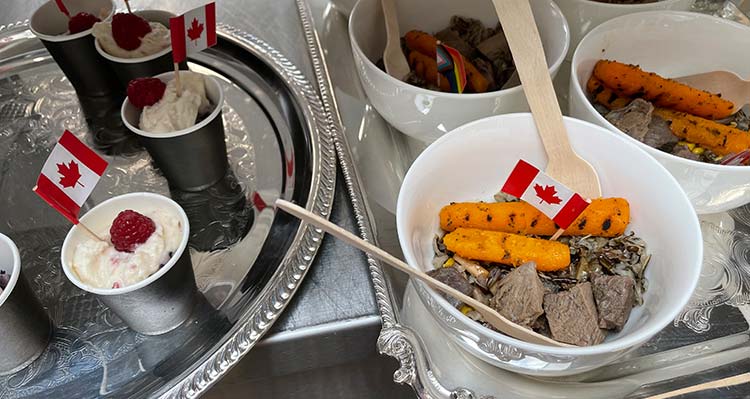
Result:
pixel 195 30
pixel 547 194
pixel 69 174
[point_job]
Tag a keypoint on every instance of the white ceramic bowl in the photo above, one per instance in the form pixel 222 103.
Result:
pixel 671 44
pixel 427 114
pixel 472 162
pixel 584 15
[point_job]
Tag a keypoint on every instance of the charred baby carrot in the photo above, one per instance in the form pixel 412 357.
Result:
pixel 507 249
pixel 631 81
pixel 604 95
pixel 605 217
pixel 427 44
pixel 721 139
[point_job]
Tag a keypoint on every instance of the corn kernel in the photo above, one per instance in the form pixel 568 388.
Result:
pixel 449 262
pixel 466 309
pixel 698 150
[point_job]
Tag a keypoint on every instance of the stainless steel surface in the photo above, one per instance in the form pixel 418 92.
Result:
pixel 707 339
pixel 161 306
pixel 24 325
pixel 248 260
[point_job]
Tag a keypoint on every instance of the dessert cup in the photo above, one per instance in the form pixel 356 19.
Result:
pixel 75 54
pixel 157 304
pixel 191 159
pixel 24 325
pixel 128 69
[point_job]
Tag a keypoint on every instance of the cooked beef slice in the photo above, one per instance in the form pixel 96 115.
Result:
pixel 495 48
pixel 485 68
pixel 633 119
pixel 614 296
pixel 455 279
pixel 572 316
pixel 659 134
pixel 470 30
pixel 451 38
pixel 519 295
pixel 684 152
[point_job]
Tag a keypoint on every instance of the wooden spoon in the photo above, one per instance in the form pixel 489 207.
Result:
pixel 525 44
pixel 731 86
pixel 393 57
pixel 490 315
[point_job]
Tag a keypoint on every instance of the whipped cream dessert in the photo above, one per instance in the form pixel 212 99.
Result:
pixel 151 43
pixel 135 248
pixel 172 112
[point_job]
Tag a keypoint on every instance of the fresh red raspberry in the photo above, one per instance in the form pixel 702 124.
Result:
pixel 129 229
pixel 128 29
pixel 81 22
pixel 145 91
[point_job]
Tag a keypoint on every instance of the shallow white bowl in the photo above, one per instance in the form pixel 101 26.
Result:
pixel 671 44
pixel 584 15
pixel 427 114
pixel 472 162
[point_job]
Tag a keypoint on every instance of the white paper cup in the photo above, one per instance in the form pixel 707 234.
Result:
pixel 24 325
pixel 157 304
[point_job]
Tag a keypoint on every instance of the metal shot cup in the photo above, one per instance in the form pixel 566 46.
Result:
pixel 75 54
pixel 161 302
pixel 24 325
pixel 191 159
pixel 128 69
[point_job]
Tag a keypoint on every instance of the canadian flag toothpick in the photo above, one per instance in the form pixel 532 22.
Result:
pixel 559 203
pixel 193 31
pixel 69 176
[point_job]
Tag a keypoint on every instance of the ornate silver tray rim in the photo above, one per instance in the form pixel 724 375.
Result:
pixel 278 292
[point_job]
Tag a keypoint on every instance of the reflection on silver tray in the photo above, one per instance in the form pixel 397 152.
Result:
pixel 248 260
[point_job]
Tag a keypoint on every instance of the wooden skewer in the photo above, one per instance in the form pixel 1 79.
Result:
pixel 88 230
pixel 722 383
pixel 178 86
pixel 490 315
pixel 127 5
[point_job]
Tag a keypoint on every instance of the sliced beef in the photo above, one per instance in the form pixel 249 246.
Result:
pixel 633 119
pixel 572 316
pixel 485 68
pixel 615 297
pixel 684 152
pixel 519 295
pixel 659 134
pixel 495 48
pixel 455 279
pixel 453 39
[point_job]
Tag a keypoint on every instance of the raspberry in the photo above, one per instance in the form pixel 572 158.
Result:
pixel 128 29
pixel 129 229
pixel 145 91
pixel 81 22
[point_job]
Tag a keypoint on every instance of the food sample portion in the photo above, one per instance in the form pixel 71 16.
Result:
pixel 574 290
pixel 164 110
pixel 487 59
pixel 669 115
pixel 131 36
pixel 4 280
pixel 136 246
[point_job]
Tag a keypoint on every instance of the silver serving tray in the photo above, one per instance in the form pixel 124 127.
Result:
pixel 709 340
pixel 248 260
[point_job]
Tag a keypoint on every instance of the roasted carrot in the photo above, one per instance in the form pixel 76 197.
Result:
pixel 508 249
pixel 630 81
pixel 427 45
pixel 605 217
pixel 426 68
pixel 604 95
pixel 721 139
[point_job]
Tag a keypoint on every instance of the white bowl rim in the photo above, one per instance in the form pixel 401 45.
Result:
pixel 136 60
pixel 148 280
pixel 15 272
pixel 208 119
pixel 64 37
pixel 637 337
pixel 651 150
pixel 629 6
pixel 555 65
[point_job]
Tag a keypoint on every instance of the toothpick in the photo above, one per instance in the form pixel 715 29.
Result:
pixel 557 234
pixel 127 4
pixel 90 232
pixel 178 86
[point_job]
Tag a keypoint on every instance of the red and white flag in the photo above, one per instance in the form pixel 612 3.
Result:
pixel 193 31
pixel 551 197
pixel 69 175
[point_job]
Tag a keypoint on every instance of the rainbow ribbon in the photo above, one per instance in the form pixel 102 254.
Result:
pixel 450 64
